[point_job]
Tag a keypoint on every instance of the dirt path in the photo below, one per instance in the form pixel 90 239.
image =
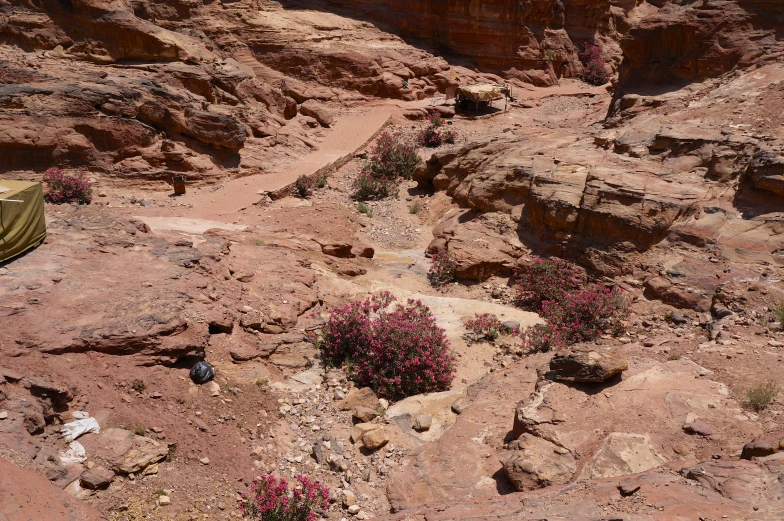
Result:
pixel 346 136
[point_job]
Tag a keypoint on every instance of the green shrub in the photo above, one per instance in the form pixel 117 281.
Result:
pixel 762 394
pixel 778 312
pixel 414 208
pixel 139 386
pixel 363 208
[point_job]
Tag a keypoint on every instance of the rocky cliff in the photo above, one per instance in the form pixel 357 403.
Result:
pixel 533 40
pixel 145 90
pixel 674 43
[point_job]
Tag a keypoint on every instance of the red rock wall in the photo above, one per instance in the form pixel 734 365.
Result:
pixel 678 44
pixel 534 40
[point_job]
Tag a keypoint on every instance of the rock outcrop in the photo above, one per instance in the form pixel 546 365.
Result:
pixel 149 90
pixel 532 40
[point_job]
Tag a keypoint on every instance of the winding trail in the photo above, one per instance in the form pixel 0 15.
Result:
pixel 346 136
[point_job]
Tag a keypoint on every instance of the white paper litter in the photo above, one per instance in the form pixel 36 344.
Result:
pixel 71 431
pixel 74 454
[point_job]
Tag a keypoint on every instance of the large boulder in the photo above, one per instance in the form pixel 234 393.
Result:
pixel 585 364
pixel 537 463
pixel 319 112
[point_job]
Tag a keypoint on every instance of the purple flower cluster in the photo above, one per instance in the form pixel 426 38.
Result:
pixel 486 326
pixel 592 58
pixel 397 351
pixel 65 189
pixel 271 499
pixel 443 268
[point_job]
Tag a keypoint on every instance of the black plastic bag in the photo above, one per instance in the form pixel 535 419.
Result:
pixel 202 372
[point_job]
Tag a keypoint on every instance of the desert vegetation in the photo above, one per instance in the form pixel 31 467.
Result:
pixel 575 312
pixel 393 157
pixel 63 188
pixel 395 349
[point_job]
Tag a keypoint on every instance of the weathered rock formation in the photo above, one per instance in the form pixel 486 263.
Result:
pixel 532 40
pixel 150 90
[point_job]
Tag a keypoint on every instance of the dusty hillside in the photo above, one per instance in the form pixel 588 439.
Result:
pixel 664 186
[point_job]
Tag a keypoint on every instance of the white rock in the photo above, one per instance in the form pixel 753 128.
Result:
pixel 353 510
pixel 164 500
pixel 3 415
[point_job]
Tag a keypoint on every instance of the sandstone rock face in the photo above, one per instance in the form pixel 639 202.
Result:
pixel 555 421
pixel 711 488
pixel 364 397
pixel 319 111
pixel 533 40
pixel 677 43
pixel 147 90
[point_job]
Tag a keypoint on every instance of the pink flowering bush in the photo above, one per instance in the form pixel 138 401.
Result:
pixel 396 350
pixel 367 187
pixel 270 499
pixel 443 268
pixel 592 59
pixel 66 189
pixel 547 279
pixel 541 338
pixel 393 156
pixel 435 135
pixel 305 186
pixel 583 315
pixel 554 287
pixel 485 326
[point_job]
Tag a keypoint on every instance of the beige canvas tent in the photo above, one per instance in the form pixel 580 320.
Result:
pixel 480 95
pixel 22 224
pixel 481 92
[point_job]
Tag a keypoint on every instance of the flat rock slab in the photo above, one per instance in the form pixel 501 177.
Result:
pixel 187 225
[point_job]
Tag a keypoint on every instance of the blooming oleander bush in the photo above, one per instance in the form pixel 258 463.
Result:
pixel 583 315
pixel 305 186
pixel 367 187
pixel 554 288
pixel 443 268
pixel 392 157
pixel 434 135
pixel 397 351
pixel 65 189
pixel 541 338
pixel 547 279
pixel 271 499
pixel 592 59
pixel 485 326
